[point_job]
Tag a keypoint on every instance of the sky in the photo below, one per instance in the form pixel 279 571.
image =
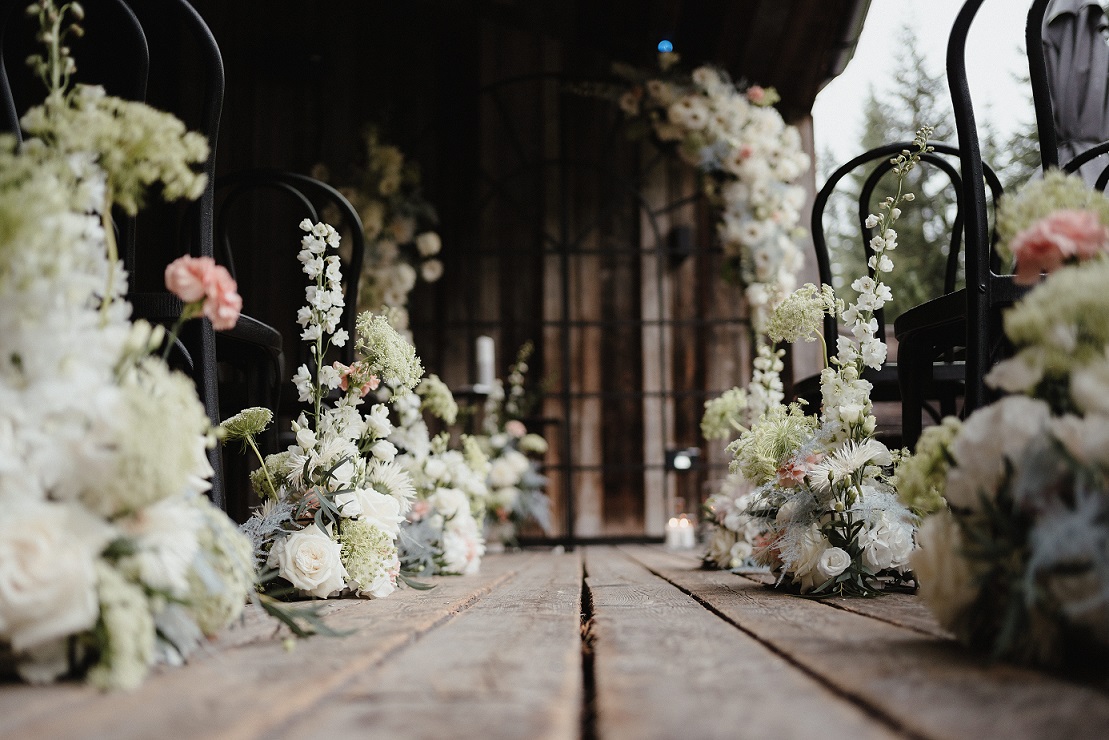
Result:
pixel 995 56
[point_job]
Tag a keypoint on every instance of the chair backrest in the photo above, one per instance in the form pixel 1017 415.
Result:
pixel 312 199
pixel 1068 66
pixel 869 168
pixel 113 53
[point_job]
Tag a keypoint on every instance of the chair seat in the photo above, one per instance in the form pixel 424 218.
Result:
pixel 252 331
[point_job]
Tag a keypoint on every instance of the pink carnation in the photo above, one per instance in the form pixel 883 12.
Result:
pixel 516 428
pixel 356 370
pixel 1061 236
pixel 185 277
pixel 194 278
pixel 756 94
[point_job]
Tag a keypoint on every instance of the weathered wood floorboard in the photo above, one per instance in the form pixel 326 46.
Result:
pixel 666 667
pixel 932 687
pixel 251 689
pixel 509 667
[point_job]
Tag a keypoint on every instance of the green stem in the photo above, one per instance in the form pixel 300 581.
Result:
pixel 258 454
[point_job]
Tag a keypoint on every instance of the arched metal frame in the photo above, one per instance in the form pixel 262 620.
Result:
pixel 621 188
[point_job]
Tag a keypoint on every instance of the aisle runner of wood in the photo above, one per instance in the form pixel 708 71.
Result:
pixel 630 642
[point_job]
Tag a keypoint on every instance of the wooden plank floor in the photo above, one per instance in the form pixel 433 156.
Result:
pixel 630 642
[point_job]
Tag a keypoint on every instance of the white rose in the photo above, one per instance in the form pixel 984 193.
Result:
pixel 431 270
pixel 450 502
pixel 383 450
pixel 309 559
pixel 740 552
pixel 947 579
pixel 833 561
pixel 428 244
pixel 720 547
pixel 809 547
pixel 380 509
pixel 48 553
pixel 991 435
pixel 502 473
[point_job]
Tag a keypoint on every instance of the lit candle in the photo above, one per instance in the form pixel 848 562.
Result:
pixel 486 362
pixel 686 533
pixel 673 536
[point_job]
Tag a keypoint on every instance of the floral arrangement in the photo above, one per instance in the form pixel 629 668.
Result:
pixel 735 532
pixel 1015 555
pixel 442 534
pixel 516 487
pixel 751 159
pixel 822 511
pixel 336 498
pixel 401 243
pixel 111 557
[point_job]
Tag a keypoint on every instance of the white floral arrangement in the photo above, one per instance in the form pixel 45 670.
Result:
pixel 517 488
pixel 1015 556
pixel 735 533
pixel 823 512
pixel 335 499
pixel 752 160
pixel 442 533
pixel 112 559
pixel 402 246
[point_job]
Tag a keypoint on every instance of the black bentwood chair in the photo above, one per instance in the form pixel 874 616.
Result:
pixel 115 52
pixel 869 172
pixel 1068 66
pixel 969 318
pixel 251 357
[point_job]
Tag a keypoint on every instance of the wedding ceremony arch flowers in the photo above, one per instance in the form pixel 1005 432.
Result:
pixel 1015 558
pixel 112 559
pixel 825 515
pixel 335 499
pixel 751 161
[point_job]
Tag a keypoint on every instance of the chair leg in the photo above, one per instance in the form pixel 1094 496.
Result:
pixel 912 369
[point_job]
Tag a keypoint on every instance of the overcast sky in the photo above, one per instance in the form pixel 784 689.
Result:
pixel 996 43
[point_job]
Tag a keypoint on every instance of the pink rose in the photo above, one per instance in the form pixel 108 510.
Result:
pixel 516 428
pixel 1061 236
pixel 756 94
pixel 185 277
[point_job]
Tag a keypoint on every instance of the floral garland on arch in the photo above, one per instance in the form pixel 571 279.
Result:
pixel 822 511
pixel 1014 553
pixel 112 559
pixel 751 160
pixel 335 499
pixel 402 246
